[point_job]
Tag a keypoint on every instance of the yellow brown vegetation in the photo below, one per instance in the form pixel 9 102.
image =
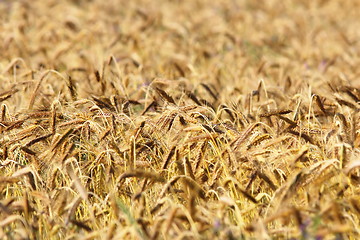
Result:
pixel 179 119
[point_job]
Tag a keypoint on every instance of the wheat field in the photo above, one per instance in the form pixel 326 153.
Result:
pixel 169 119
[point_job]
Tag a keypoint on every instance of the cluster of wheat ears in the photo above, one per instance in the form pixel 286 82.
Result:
pixel 188 119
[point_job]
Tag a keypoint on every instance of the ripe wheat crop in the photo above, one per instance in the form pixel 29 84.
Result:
pixel 173 119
